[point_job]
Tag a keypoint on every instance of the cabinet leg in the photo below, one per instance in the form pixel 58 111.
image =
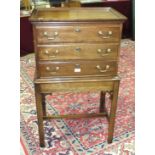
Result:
pixel 113 111
pixel 43 105
pixel 111 95
pixel 102 101
pixel 39 115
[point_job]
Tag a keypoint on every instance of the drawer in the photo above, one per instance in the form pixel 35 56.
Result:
pixel 77 68
pixel 84 33
pixel 76 86
pixel 78 51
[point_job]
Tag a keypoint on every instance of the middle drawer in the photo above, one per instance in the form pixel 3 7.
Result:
pixel 78 51
pixel 77 68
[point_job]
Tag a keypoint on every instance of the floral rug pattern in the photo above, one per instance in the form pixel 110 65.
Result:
pixel 79 136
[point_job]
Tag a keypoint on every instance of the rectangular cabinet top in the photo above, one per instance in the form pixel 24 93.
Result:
pixel 76 14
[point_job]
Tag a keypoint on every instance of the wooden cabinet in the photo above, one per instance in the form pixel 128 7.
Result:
pixel 123 6
pixel 77 49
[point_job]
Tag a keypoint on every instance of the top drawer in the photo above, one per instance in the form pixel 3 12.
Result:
pixel 78 33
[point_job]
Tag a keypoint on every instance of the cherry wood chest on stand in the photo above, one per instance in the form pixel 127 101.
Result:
pixel 77 49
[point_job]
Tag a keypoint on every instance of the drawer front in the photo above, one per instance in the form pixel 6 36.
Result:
pixel 77 68
pixel 76 86
pixel 78 51
pixel 85 33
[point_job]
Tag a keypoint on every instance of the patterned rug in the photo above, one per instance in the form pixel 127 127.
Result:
pixel 79 136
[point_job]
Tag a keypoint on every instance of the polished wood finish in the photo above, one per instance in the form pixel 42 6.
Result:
pixel 77 68
pixel 78 33
pixel 70 51
pixel 113 112
pixel 102 101
pixel 76 86
pixel 76 50
pixel 39 115
pixel 76 14
pixel 123 6
pixel 73 116
pixel 44 104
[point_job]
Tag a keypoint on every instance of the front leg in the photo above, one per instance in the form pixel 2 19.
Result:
pixel 102 101
pixel 44 104
pixel 39 108
pixel 113 111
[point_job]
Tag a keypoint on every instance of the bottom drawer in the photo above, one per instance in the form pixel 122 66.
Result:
pixel 76 86
pixel 77 68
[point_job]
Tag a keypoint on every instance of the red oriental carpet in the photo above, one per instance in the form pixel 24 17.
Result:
pixel 79 136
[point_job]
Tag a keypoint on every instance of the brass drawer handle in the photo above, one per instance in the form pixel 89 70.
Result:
pixel 103 70
pixel 52 70
pixel 105 35
pixel 104 52
pixel 54 54
pixel 50 37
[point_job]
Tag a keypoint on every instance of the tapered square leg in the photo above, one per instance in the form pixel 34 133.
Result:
pixel 39 107
pixel 44 104
pixel 113 111
pixel 102 101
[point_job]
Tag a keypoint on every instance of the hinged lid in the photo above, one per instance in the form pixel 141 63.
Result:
pixel 76 14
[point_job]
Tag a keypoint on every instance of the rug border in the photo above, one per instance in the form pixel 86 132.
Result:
pixel 23 147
